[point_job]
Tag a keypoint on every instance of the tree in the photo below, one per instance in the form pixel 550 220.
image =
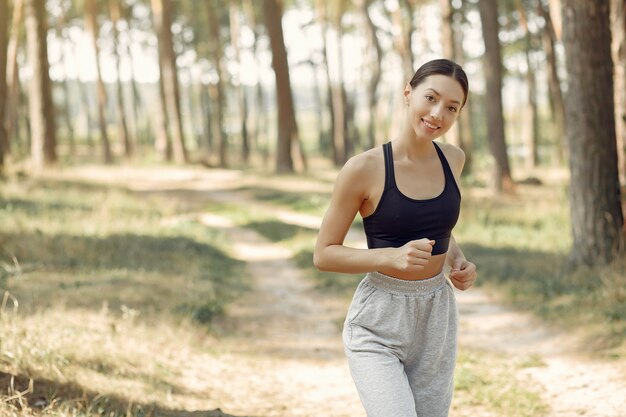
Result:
pixel 596 213
pixel 492 67
pixel 216 90
pixel 287 126
pixel 162 15
pixel 549 38
pixel 449 51
pixel 532 134
pixel 618 28
pixel 4 11
pixel 116 15
pixel 375 57
pixel 91 24
pixel 12 78
pixel 43 130
pixel 235 35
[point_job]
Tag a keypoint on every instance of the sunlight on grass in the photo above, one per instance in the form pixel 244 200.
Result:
pixel 83 245
pixel 488 380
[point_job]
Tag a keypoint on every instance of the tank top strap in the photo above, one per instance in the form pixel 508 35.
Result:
pixel 390 179
pixel 446 167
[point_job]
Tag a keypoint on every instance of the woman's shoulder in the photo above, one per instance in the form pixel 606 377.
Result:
pixel 365 162
pixel 454 155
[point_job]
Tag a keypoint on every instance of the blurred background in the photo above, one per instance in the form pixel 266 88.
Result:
pixel 135 133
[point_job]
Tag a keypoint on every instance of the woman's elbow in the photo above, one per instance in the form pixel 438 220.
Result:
pixel 318 260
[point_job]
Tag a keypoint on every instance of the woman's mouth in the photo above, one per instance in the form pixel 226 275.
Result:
pixel 429 125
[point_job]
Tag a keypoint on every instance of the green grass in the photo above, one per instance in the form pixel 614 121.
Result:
pixel 488 380
pixel 65 243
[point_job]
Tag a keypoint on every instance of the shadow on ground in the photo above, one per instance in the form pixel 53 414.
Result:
pixel 39 394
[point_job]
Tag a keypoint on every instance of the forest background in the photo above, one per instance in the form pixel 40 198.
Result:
pixel 96 96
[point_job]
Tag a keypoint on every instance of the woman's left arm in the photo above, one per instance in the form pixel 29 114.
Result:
pixel 462 271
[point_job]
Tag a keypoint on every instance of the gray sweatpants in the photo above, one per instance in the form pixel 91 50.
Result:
pixel 400 341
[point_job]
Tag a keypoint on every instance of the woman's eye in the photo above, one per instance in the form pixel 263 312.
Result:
pixel 430 98
pixel 453 109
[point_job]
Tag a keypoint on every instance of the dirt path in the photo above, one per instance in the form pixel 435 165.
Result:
pixel 573 383
pixel 285 357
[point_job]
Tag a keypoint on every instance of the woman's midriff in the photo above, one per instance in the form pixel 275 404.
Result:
pixel 433 267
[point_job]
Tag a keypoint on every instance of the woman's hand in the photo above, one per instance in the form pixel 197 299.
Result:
pixel 463 274
pixel 413 256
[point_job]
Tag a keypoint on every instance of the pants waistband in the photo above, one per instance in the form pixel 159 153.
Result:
pixel 403 286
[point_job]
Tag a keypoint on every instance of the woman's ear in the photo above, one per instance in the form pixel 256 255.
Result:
pixel 407 93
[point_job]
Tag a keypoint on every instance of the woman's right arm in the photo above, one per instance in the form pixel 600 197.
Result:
pixel 351 189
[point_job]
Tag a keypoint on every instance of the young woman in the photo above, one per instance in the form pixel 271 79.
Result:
pixel 400 330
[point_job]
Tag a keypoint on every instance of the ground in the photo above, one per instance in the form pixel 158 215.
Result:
pixel 280 350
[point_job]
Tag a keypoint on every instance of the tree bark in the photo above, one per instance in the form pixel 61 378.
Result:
pixel 162 14
pixel 91 24
pixel 235 35
pixel 449 51
pixel 532 158
pixel 492 69
pixel 12 76
pixel 374 65
pixel 4 17
pixel 114 8
pixel 287 128
pixel 618 26
pixel 596 213
pixel 548 37
pixel 216 91
pixel 41 109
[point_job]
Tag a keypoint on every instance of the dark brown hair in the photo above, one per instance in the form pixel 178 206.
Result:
pixel 442 67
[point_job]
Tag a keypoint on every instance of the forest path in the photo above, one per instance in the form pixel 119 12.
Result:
pixel 284 343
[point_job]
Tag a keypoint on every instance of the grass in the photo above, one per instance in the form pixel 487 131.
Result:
pixel 106 278
pixel 487 380
pixel 97 279
pixel 87 245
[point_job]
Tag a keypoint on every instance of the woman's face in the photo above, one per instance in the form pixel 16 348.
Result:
pixel 433 105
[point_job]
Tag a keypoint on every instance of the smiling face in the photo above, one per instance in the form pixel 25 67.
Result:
pixel 433 105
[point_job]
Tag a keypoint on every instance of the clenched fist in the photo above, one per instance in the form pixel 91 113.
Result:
pixel 413 256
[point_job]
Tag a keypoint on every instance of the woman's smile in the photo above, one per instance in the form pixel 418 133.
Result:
pixel 430 126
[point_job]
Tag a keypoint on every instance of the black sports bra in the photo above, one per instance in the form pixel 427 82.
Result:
pixel 399 219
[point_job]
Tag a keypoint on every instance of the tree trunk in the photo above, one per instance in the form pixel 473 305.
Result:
pixel 162 15
pixel 374 64
pixel 548 37
pixel 12 76
pixel 235 35
pixel 322 21
pixel 136 101
pixel 43 131
pixel 596 213
pixel 449 51
pixel 114 8
pixel 4 17
pixel 531 108
pixel 618 25
pixel 492 69
pixel 216 91
pixel 287 129
pixel 339 106
pixel 91 24
pixel 402 19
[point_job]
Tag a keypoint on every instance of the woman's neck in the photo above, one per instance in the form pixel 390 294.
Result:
pixel 412 146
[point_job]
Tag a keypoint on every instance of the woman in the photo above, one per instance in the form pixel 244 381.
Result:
pixel 400 330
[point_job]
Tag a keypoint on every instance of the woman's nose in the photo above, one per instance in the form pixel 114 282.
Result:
pixel 436 112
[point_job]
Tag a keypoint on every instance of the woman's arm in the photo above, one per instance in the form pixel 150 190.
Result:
pixel 352 188
pixel 462 272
